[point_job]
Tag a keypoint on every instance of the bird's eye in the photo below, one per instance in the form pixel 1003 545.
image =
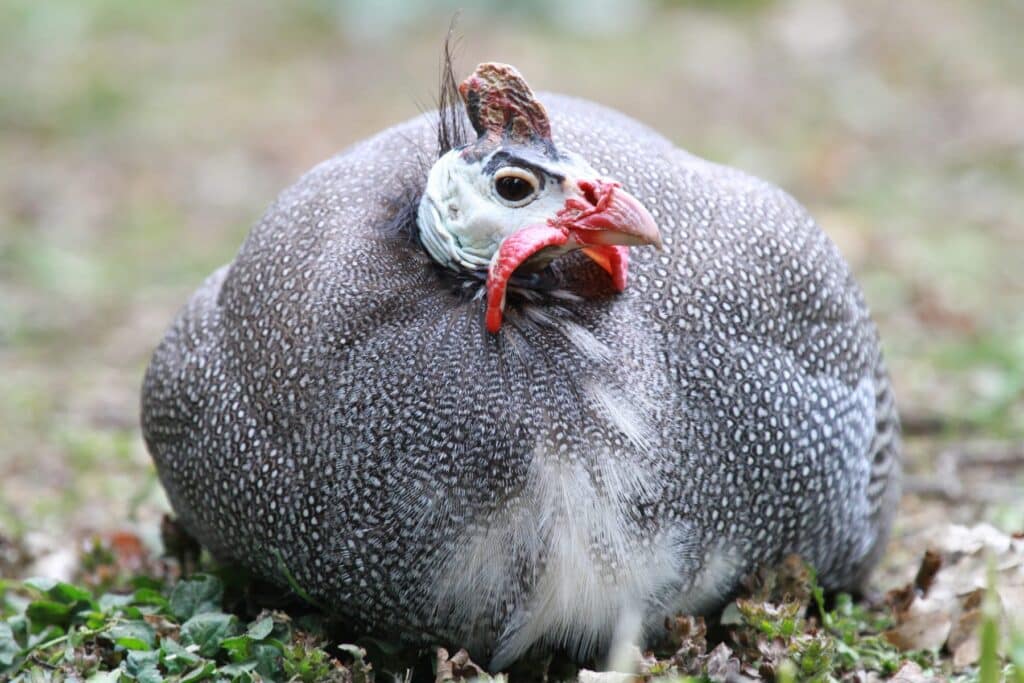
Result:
pixel 515 185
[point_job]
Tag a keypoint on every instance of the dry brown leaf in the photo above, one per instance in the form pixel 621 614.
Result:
pixel 964 642
pixel 587 676
pixel 722 665
pixel 912 673
pixel 959 539
pixel 942 606
pixel 458 667
pixel 786 582
pixel 688 636
pixel 924 625
pixel 931 563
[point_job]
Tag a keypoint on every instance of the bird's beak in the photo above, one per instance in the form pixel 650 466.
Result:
pixel 602 219
pixel 605 220
pixel 603 214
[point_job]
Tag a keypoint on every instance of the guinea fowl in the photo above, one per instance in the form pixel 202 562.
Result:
pixel 426 392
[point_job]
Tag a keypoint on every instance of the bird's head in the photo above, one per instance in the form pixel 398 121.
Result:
pixel 510 200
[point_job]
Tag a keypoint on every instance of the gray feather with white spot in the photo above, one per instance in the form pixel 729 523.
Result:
pixel 329 405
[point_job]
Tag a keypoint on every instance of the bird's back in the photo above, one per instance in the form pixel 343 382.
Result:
pixel 330 406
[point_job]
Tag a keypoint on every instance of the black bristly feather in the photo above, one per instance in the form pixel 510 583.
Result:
pixel 401 222
pixel 451 133
pixel 451 121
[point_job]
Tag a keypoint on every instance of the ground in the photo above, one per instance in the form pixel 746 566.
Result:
pixel 141 140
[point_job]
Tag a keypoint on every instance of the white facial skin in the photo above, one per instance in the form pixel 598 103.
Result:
pixel 463 219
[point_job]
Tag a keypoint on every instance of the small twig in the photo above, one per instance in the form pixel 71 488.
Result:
pixel 928 424
pixel 989 454
pixel 36 658
pixel 951 490
pixel 86 633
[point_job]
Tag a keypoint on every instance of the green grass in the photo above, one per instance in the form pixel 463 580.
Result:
pixel 145 626
pixel 149 630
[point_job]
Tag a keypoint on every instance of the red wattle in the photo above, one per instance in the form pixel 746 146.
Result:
pixel 514 251
pixel 614 259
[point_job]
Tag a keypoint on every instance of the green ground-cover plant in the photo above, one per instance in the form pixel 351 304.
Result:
pixel 151 631
pixel 151 626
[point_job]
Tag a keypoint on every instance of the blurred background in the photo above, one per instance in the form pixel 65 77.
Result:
pixel 140 141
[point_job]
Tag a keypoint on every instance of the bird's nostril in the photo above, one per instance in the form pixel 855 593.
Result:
pixel 589 189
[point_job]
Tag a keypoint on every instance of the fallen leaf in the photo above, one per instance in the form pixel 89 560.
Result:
pixel 923 625
pixel 942 607
pixel 458 667
pixel 722 665
pixel 912 673
pixel 964 641
pixel 587 676
pixel 930 565
pixel 959 539
pixel 688 636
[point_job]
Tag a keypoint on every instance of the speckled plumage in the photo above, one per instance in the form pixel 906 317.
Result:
pixel 329 403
